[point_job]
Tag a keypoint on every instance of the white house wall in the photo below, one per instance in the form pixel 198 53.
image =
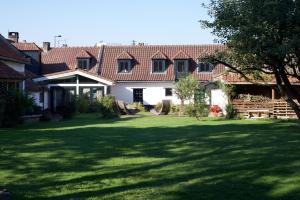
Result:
pixel 36 97
pixel 153 92
pixel 218 97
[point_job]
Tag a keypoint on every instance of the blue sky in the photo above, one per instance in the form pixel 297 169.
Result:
pixel 85 22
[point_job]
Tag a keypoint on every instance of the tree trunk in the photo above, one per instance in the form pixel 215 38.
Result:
pixel 289 87
pixel 287 95
pixel 181 107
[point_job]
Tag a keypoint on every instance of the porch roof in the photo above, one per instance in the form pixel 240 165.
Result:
pixel 70 73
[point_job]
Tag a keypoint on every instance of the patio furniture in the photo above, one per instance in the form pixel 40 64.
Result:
pixel 164 110
pixel 123 110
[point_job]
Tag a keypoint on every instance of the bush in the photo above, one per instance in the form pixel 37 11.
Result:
pixel 174 108
pixel 201 110
pixel 2 110
pixel 47 115
pixel 15 105
pixel 139 106
pixel 69 109
pixel 107 107
pixel 197 110
pixel 190 110
pixel 158 106
pixel 230 112
pixel 81 104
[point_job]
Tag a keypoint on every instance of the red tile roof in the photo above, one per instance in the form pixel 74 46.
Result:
pixel 159 55
pixel 181 55
pixel 9 52
pixel 26 46
pixel 141 70
pixel 124 55
pixel 83 54
pixel 64 58
pixel 235 78
pixel 8 73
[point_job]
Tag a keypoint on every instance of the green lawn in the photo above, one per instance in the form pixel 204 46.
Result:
pixel 149 157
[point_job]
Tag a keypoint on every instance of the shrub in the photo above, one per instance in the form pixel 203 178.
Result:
pixel 82 104
pixel 69 109
pixel 174 108
pixel 2 110
pixel 107 107
pixel 190 110
pixel 139 106
pixel 47 115
pixel 197 110
pixel 201 110
pixel 230 112
pixel 15 104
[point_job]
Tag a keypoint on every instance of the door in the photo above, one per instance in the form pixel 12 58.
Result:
pixel 57 98
pixel 138 95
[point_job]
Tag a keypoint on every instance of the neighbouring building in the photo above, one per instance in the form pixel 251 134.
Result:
pixel 12 67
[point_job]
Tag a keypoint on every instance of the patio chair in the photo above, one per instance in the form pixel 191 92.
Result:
pixel 124 110
pixel 164 110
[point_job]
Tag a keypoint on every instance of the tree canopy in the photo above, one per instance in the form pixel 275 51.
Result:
pixel 262 38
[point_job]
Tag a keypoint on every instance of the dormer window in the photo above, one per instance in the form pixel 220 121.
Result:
pixel 124 66
pixel 181 66
pixel 83 60
pixel 158 66
pixel 83 63
pixel 205 67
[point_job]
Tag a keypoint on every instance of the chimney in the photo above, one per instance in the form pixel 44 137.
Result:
pixel 46 46
pixel 13 36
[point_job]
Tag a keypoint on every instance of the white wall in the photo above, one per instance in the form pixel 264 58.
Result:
pixel 153 92
pixel 218 97
pixel 36 96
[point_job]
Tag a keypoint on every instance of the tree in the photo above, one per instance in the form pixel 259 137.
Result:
pixel 262 40
pixel 185 89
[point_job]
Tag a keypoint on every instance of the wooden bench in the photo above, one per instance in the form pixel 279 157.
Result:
pixel 259 113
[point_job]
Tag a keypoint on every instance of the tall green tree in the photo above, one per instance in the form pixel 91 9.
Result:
pixel 185 90
pixel 262 37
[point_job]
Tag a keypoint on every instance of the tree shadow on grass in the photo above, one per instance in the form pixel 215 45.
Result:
pixel 226 161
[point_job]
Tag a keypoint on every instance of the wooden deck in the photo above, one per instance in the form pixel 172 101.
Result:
pixel 277 108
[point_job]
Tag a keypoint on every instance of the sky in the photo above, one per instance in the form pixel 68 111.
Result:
pixel 86 22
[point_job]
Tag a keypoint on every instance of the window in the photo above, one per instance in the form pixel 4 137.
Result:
pixel 205 67
pixel 168 92
pixel 181 66
pixel 138 95
pixel 158 66
pixel 83 64
pixel 124 66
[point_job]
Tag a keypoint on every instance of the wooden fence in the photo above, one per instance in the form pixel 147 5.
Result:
pixel 276 108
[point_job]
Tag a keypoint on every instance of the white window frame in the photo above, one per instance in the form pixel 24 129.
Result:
pixel 128 64
pixel 163 66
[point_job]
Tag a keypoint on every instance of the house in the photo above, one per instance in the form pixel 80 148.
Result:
pixel 134 73
pixel 142 73
pixel 12 67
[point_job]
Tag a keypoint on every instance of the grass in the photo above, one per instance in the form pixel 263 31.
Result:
pixel 149 157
